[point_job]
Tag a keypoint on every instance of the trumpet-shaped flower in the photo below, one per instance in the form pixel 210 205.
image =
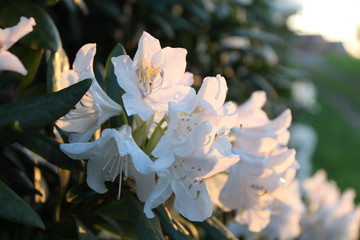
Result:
pixel 330 215
pixel 153 79
pixel 8 37
pixel 194 148
pixel 286 215
pixel 114 154
pixel 266 164
pixel 94 108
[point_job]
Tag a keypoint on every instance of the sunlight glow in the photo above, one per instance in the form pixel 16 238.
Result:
pixel 335 20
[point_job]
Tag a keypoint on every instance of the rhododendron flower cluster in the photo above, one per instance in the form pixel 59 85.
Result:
pixel 196 149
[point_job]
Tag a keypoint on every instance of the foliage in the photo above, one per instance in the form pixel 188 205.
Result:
pixel 48 190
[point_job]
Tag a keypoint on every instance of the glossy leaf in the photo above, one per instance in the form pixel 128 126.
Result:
pixel 145 227
pixel 23 118
pixel 80 193
pixel 141 132
pixel 49 149
pixel 112 87
pixel 216 229
pixel 45 34
pixel 30 58
pixel 83 232
pixel 13 208
pixel 57 62
pixel 171 227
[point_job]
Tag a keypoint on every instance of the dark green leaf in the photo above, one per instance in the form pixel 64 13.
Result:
pixel 49 149
pixel 14 208
pixel 141 132
pixel 155 138
pixel 31 60
pixel 83 232
pixel 79 193
pixel 51 2
pixel 112 87
pixel 57 62
pixel 216 229
pixel 45 34
pixel 146 228
pixel 171 227
pixel 23 118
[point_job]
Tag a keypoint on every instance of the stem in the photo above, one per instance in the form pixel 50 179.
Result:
pixel 124 117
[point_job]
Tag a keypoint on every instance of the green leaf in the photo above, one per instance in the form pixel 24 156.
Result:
pixel 30 58
pixel 216 229
pixel 14 208
pixel 80 193
pixel 45 34
pixel 51 2
pixel 171 227
pixel 83 232
pixel 145 227
pixel 23 118
pixel 57 62
pixel 141 132
pixel 155 138
pixel 112 87
pixel 49 149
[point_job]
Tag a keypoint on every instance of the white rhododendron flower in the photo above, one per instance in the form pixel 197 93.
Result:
pixel 154 78
pixel 330 215
pixel 94 108
pixel 114 154
pixel 266 164
pixel 286 214
pixel 194 147
pixel 9 36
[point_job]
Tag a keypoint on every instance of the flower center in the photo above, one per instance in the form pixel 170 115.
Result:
pixel 150 78
pixel 115 165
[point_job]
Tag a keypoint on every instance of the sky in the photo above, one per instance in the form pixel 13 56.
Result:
pixel 335 20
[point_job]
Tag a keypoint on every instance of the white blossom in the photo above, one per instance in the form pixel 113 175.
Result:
pixel 114 154
pixel 9 36
pixel 94 108
pixel 194 147
pixel 154 78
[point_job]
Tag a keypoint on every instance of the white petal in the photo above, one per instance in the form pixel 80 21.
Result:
pixel 95 176
pixel 126 76
pixel 9 62
pixel 159 100
pixel 148 46
pixel 67 79
pixel 135 105
pixel 159 195
pixel 80 150
pixel 256 220
pixel 187 79
pixel 212 92
pixel 127 145
pixel 172 61
pixel 232 194
pixel 214 186
pixel 145 183
pixel 84 59
pixel 104 104
pixel 9 36
pixel 197 209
